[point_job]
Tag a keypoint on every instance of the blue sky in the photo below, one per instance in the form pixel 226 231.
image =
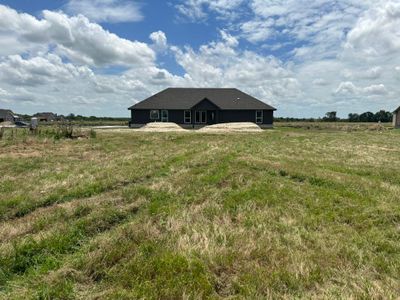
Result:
pixel 98 57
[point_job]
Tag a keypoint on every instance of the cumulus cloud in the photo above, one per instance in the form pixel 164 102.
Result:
pixel 346 88
pixel 159 39
pixel 112 11
pixel 39 70
pixel 221 64
pixel 377 31
pixel 375 89
pixel 76 38
pixel 349 89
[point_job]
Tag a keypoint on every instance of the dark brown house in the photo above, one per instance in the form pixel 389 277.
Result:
pixel 396 118
pixel 201 106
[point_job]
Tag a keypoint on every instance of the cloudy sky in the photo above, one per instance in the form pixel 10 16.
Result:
pixel 97 57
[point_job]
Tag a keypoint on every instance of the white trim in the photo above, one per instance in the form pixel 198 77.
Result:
pixel 164 119
pixel 158 114
pixel 190 116
pixel 258 118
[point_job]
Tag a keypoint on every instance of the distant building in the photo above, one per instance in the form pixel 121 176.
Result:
pixel 7 115
pixel 396 118
pixel 201 106
pixel 46 116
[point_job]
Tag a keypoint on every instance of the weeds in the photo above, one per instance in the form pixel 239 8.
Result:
pixel 57 132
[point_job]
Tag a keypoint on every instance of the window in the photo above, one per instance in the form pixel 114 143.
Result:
pixel 259 116
pixel 200 116
pixel 154 114
pixel 188 116
pixel 164 115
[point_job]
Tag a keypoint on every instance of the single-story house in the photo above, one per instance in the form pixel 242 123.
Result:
pixel 45 116
pixel 201 106
pixel 7 115
pixel 396 118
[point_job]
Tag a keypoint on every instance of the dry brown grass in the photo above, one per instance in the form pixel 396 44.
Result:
pixel 288 213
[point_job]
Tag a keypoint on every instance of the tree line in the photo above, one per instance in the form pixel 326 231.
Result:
pixel 331 116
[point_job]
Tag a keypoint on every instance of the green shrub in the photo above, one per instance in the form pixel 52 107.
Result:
pixel 92 134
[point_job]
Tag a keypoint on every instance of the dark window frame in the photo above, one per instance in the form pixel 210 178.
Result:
pixel 185 118
pixel 200 119
pixel 259 119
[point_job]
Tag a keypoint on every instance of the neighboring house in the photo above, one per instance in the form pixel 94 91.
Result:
pixel 7 115
pixel 45 116
pixel 396 118
pixel 201 106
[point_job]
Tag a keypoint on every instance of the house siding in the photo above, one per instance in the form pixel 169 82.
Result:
pixel 142 116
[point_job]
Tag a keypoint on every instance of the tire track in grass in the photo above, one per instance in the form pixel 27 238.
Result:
pixel 80 258
pixel 26 205
pixel 45 254
pixel 30 254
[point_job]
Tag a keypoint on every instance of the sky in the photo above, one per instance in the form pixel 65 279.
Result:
pixel 98 57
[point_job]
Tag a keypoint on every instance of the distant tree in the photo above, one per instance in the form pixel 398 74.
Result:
pixel 383 116
pixel 354 117
pixel 367 117
pixel 330 116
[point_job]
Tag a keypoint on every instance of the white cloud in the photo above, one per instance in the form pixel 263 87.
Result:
pixel 75 37
pixel 39 70
pixel 321 22
pixel 375 89
pixel 159 39
pixel 90 43
pixel 377 31
pixel 257 30
pixel 221 64
pixel 349 89
pixel 112 11
pixel 346 88
pixel 369 73
pixel 196 10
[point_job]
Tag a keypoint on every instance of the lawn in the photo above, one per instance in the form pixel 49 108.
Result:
pixel 286 213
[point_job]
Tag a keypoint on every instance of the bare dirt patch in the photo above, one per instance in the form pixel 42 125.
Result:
pixel 162 127
pixel 232 127
pixel 7 124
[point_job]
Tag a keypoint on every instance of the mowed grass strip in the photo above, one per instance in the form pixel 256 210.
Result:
pixel 281 214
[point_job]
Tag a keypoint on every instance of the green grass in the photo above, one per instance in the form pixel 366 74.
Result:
pixel 308 212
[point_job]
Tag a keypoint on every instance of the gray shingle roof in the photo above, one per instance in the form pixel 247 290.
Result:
pixel 4 112
pixel 398 109
pixel 186 98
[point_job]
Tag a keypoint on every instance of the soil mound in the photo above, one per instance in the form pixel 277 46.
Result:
pixel 162 127
pixel 232 127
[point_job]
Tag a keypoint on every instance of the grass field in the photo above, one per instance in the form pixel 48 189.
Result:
pixel 286 213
